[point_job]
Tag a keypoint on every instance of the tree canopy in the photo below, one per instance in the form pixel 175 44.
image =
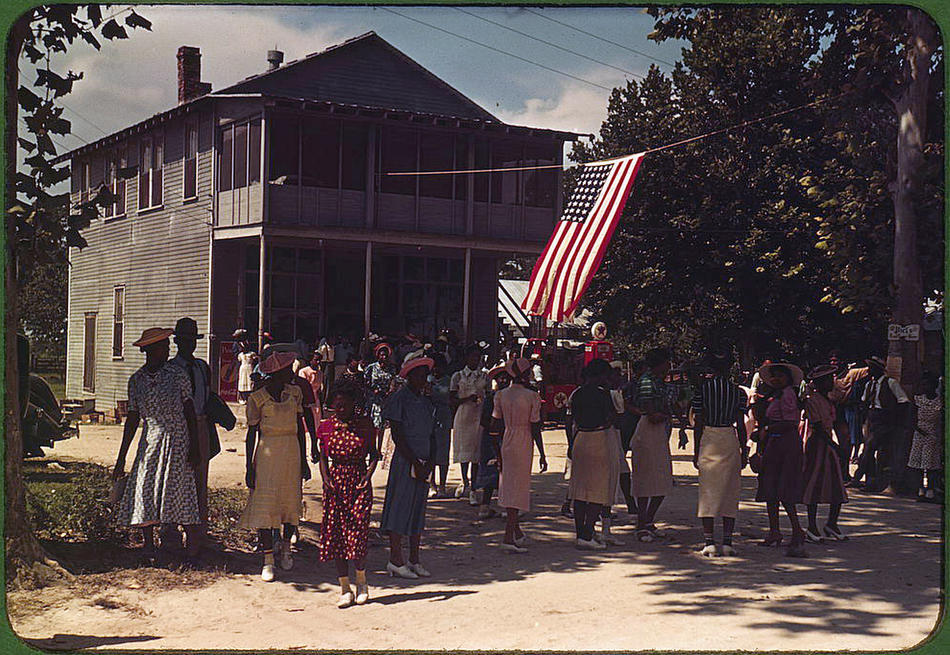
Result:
pixel 767 237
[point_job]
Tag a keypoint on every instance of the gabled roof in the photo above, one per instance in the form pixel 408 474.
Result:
pixel 368 71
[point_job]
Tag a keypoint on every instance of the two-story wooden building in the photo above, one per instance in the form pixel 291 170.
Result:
pixel 266 205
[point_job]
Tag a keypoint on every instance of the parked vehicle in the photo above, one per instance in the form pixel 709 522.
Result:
pixel 41 417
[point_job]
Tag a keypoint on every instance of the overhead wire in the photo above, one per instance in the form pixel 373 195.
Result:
pixel 504 52
pixel 549 43
pixel 596 36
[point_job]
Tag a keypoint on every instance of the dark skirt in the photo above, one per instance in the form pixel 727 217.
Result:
pixel 781 478
pixel 487 473
pixel 824 482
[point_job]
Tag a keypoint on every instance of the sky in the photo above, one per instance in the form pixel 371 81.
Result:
pixel 130 80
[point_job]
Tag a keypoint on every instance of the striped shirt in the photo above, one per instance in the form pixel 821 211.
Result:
pixel 720 401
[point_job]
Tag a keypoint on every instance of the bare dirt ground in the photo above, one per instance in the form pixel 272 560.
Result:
pixel 878 591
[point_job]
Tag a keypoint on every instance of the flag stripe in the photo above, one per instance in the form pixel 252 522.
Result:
pixel 576 248
pixel 594 263
pixel 606 220
pixel 594 225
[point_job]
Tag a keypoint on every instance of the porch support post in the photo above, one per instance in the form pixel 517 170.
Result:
pixel 368 290
pixel 261 281
pixel 467 296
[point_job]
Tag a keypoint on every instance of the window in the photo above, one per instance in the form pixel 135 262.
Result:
pixel 540 186
pixel 118 320
pixel 151 159
pixel 321 153
pixel 109 175
pixel 191 161
pixel 227 159
pixel 436 153
pixel 355 139
pixel 118 183
pixel 240 155
pixel 84 181
pixel 504 186
pixel 398 153
pixel 284 150
pixel 89 353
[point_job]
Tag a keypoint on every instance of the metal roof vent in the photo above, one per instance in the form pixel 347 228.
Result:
pixel 274 59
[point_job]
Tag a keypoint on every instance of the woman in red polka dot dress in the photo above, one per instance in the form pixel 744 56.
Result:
pixel 346 443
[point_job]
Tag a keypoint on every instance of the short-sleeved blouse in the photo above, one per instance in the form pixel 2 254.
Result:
pixel 151 395
pixel 784 407
pixel 277 417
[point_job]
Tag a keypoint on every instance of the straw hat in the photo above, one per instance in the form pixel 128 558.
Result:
pixel 517 367
pixel 278 361
pixel 498 370
pixel 383 346
pixel 153 335
pixel 412 364
pixel 822 371
pixel 766 373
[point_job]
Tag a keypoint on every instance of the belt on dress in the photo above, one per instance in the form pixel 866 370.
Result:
pixel 593 429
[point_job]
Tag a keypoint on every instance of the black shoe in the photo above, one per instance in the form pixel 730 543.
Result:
pixel 566 511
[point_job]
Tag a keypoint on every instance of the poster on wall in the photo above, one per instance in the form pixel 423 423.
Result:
pixel 228 376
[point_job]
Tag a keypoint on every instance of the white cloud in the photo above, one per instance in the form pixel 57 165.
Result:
pixel 573 106
pixel 132 79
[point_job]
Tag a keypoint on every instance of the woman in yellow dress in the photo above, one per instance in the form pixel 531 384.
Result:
pixel 276 460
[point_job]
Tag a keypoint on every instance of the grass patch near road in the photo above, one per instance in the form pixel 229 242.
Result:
pixel 68 510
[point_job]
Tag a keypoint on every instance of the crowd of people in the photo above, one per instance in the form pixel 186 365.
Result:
pixel 413 406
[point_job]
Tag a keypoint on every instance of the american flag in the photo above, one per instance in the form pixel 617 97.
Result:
pixel 575 250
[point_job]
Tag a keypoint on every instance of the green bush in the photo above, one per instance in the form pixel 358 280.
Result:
pixel 67 502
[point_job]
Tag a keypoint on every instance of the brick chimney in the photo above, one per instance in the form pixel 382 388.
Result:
pixel 190 85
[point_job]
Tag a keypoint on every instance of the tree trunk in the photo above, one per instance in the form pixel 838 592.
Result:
pixel 911 108
pixel 22 548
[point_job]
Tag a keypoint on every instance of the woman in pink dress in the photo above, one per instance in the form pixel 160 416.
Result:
pixel 517 411
pixel 314 376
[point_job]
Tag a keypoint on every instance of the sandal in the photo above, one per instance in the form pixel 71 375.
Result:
pixel 797 550
pixel 813 537
pixel 835 533
pixel 771 541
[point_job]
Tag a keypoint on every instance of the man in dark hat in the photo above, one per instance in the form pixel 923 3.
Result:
pixel 199 374
pixel 888 406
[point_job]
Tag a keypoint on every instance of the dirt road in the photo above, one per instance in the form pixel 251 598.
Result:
pixel 878 591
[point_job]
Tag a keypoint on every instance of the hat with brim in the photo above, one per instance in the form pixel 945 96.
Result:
pixel 877 362
pixel 383 346
pixel 498 370
pixel 822 371
pixel 518 367
pixel 278 361
pixel 413 364
pixel 240 333
pixel 187 328
pixel 153 335
pixel 767 376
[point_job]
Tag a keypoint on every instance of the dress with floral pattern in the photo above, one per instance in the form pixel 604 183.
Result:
pixel 161 486
pixel 379 380
pixel 346 509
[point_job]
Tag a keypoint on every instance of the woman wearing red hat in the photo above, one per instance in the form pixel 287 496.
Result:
pixel 276 460
pixel 161 487
pixel 411 416
pixel 517 415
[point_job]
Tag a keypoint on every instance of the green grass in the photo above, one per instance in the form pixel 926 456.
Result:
pixel 56 382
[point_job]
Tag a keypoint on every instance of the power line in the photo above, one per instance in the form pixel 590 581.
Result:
pixel 84 119
pixel 553 45
pixel 596 36
pixel 518 57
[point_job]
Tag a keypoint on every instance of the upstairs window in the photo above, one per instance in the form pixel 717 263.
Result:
pixel 114 181
pixel 118 321
pixel 151 153
pixel 191 161
pixel 505 187
pixel 398 153
pixel 321 153
pixel 240 155
pixel 353 166
pixel 436 153
pixel 540 185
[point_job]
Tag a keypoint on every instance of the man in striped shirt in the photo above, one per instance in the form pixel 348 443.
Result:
pixel 719 450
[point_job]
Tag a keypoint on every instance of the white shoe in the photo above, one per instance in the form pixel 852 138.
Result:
pixel 267 573
pixel 583 544
pixel 294 538
pixel 474 498
pixel 346 599
pixel 728 550
pixel 419 570
pixel 709 551
pixel 461 491
pixel 513 548
pixel 403 571
pixel 612 540
pixel 837 536
pixel 522 541
pixel 285 559
pixel 362 594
